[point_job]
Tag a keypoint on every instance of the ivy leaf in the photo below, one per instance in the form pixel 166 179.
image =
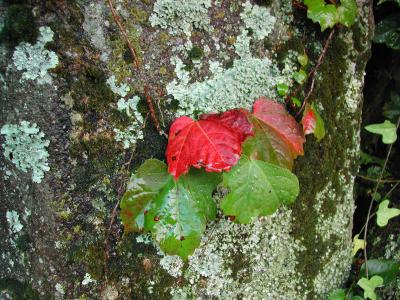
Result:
pixel 282 89
pixel 369 286
pixel 303 60
pixel 277 119
pixel 384 213
pixel 312 122
pixel 267 145
pixel 257 188
pixel 324 14
pixel 300 76
pixel 391 110
pixel 347 12
pixel 358 244
pixel 328 15
pixel 141 190
pixel 201 143
pixel 236 119
pixel 387 269
pixel 338 294
pixel 387 129
pixel 387 31
pixel 178 215
pixel 296 101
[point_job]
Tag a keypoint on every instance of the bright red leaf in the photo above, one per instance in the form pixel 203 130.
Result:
pixel 278 119
pixel 309 120
pixel 236 119
pixel 203 143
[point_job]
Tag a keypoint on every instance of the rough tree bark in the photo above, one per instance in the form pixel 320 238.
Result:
pixel 69 247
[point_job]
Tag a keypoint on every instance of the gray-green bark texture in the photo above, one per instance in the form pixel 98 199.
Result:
pixel 58 239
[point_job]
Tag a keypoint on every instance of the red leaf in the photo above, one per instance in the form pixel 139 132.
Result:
pixel 236 119
pixel 309 120
pixel 278 119
pixel 203 143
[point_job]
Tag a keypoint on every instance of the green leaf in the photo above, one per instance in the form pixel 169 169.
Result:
pixel 387 129
pixel 387 31
pixel 324 14
pixel 358 244
pixel 175 212
pixel 266 145
pixel 366 159
pixel 328 15
pixel 300 76
pixel 391 109
pixel 338 294
pixel 384 213
pixel 141 190
pixel 319 131
pixel 178 215
pixel 370 285
pixel 303 59
pixel 296 101
pixel 282 89
pixel 257 189
pixel 347 12
pixel 387 269
pixel 383 1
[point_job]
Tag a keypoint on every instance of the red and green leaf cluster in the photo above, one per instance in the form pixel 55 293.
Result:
pixel 255 151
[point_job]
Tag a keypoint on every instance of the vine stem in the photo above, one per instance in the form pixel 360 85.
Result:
pixel 314 71
pixel 375 180
pixel 372 201
pixel 137 63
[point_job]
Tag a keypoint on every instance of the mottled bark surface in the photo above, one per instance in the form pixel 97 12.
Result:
pixel 65 248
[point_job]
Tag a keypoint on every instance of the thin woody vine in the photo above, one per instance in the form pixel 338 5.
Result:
pixel 249 153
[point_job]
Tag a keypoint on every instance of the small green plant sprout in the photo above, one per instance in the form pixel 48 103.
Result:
pixel 358 244
pixel 25 147
pixel 282 89
pixel 387 129
pixel 328 15
pixel 369 286
pixel 384 213
pixel 300 76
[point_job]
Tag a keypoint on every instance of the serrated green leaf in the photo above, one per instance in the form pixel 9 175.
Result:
pixel 175 212
pixel 257 189
pixel 338 294
pixel 369 286
pixel 384 213
pixel 266 145
pixel 300 76
pixel 387 269
pixel 178 215
pixel 141 190
pixel 358 244
pixel 282 89
pixel 328 15
pixel 387 129
pixel 347 12
pixel 303 59
pixel 387 31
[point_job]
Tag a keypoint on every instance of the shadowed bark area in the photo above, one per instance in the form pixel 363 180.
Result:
pixel 197 57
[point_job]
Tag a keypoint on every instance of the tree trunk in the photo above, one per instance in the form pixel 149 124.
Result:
pixel 71 243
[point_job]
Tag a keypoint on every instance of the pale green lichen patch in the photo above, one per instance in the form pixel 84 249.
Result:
pixel 181 17
pixel 134 131
pixel 14 223
pixel 35 60
pixel 25 146
pixel 258 19
pixel 265 248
